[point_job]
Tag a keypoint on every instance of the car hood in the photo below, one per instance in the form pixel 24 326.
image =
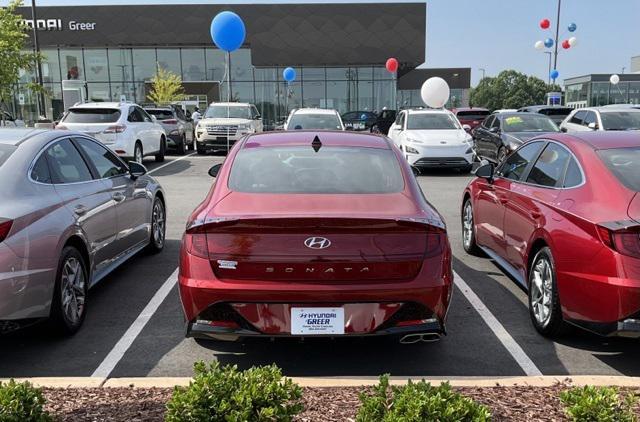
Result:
pixel 439 137
pixel 224 121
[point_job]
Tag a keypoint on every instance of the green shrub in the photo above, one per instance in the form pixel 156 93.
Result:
pixel 604 404
pixel 21 402
pixel 223 393
pixel 418 402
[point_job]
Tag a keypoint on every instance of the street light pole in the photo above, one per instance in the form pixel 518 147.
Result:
pixel 555 53
pixel 36 47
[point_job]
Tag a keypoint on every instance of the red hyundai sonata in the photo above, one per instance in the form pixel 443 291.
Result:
pixel 315 234
pixel 562 216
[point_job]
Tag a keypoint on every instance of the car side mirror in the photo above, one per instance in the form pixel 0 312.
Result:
pixel 563 129
pixel 486 171
pixel 136 170
pixel 258 117
pixel 416 171
pixel 593 126
pixel 153 118
pixel 494 129
pixel 213 171
pixel 466 128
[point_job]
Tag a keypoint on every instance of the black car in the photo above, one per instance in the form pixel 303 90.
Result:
pixel 555 113
pixel 384 122
pixel 359 120
pixel 501 133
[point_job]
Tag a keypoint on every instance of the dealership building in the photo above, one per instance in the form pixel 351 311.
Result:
pixel 338 49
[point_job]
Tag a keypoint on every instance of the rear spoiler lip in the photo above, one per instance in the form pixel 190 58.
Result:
pixel 198 225
pixel 621 225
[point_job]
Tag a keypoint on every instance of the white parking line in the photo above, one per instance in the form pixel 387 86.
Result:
pixel 125 342
pixel 500 332
pixel 170 162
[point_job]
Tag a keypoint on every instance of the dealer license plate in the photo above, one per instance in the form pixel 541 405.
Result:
pixel 317 321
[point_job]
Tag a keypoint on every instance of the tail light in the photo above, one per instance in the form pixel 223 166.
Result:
pixel 61 127
pixel 626 241
pixel 5 228
pixel 170 121
pixel 115 129
pixel 195 237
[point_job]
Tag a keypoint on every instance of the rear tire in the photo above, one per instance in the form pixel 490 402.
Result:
pixel 201 151
pixel 158 226
pixel 544 301
pixel 69 304
pixel 138 154
pixel 182 145
pixel 469 230
pixel 502 154
pixel 160 154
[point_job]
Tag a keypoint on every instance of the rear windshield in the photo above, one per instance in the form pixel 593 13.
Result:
pixel 472 115
pixel 5 152
pixel 331 170
pixel 160 114
pixel 92 115
pixel 555 111
pixel 620 120
pixel 314 121
pixel 624 163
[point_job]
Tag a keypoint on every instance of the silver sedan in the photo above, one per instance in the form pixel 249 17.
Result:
pixel 70 212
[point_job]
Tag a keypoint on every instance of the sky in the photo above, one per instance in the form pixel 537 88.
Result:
pixel 500 34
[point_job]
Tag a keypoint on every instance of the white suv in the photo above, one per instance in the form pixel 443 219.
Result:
pixel 124 127
pixel 225 123
pixel 601 118
pixel 314 119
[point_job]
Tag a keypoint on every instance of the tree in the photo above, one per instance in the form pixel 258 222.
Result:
pixel 510 89
pixel 166 87
pixel 13 54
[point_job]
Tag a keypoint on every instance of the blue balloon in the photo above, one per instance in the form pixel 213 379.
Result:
pixel 228 31
pixel 289 74
pixel 554 74
pixel 548 43
pixel 572 27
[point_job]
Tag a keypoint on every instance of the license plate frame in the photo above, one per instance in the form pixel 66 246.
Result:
pixel 317 321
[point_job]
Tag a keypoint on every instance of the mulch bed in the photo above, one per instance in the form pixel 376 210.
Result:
pixel 524 404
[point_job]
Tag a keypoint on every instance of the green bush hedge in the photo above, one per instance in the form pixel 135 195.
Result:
pixel 223 393
pixel 604 404
pixel 21 402
pixel 418 402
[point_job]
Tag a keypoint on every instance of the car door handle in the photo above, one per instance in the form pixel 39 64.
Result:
pixel 80 210
pixel 118 196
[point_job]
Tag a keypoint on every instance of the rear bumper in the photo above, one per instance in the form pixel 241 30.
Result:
pixel 258 308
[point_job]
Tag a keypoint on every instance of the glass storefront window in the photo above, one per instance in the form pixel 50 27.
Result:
pixel 618 93
pixel 98 91
pixel 365 73
pixel 634 92
pixel 215 64
pixel 340 73
pixel 128 90
pixel 337 96
pixel 384 93
pixel 50 66
pixel 313 74
pixel 267 101
pixel 71 64
pixel 241 68
pixel 144 63
pixel 313 93
pixel 169 59
pixel 120 64
pixel 381 73
pixel 96 65
pixel 193 65
pixel 53 100
pixel 240 92
pixel 599 93
pixel 266 74
pixel 291 95
pixel 365 96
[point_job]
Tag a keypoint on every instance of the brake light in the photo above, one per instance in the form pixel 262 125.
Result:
pixel 626 242
pixel 61 127
pixel 196 244
pixel 5 228
pixel 170 121
pixel 115 129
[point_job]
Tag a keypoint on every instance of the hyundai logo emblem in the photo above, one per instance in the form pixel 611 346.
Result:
pixel 317 243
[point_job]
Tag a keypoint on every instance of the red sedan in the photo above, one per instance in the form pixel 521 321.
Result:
pixel 315 234
pixel 562 216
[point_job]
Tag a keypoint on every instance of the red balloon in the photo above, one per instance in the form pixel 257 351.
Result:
pixel 545 23
pixel 391 65
pixel 566 45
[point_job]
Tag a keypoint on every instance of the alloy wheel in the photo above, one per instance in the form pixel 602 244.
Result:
pixel 73 290
pixel 502 154
pixel 467 225
pixel 541 291
pixel 138 155
pixel 158 224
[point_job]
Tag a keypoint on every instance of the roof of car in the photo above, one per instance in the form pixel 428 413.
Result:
pixel 232 104
pixel 15 136
pixel 314 111
pixel 306 137
pixel 542 107
pixel 609 139
pixel 455 110
pixel 106 104
pixel 428 111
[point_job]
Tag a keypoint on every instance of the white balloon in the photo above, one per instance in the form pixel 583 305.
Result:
pixel 573 41
pixel 614 79
pixel 539 45
pixel 435 92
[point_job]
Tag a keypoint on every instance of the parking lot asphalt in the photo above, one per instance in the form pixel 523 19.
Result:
pixel 489 333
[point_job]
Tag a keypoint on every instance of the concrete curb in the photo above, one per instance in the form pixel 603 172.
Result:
pixel 170 382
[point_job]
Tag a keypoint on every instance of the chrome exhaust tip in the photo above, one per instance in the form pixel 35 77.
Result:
pixel 430 337
pixel 416 338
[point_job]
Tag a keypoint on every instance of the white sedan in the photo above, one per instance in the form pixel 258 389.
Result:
pixel 433 139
